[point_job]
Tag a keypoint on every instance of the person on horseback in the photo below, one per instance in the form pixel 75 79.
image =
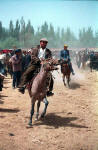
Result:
pixel 65 56
pixel 38 54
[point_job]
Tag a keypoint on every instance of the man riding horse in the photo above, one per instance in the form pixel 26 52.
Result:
pixel 38 54
pixel 65 57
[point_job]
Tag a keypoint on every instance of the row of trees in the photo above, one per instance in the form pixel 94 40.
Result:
pixel 23 35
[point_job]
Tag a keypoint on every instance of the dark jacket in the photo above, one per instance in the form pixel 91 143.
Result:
pixel 34 65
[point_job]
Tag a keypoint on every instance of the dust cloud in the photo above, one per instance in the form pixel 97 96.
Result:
pixel 80 74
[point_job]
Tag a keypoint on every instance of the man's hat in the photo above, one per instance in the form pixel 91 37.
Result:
pixel 44 39
pixel 65 45
pixel 17 50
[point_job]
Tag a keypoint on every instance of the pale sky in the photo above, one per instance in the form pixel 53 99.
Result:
pixel 60 13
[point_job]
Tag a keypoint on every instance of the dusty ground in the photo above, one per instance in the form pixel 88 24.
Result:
pixel 71 122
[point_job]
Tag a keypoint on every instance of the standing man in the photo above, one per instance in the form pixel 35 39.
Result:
pixel 16 61
pixel 38 54
pixel 65 56
pixel 92 60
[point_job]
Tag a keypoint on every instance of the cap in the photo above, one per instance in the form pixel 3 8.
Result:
pixel 44 39
pixel 65 45
pixel 17 50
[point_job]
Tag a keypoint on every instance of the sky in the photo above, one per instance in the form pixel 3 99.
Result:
pixel 60 13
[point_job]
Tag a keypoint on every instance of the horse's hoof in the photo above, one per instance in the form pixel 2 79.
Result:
pixel 42 116
pixel 30 124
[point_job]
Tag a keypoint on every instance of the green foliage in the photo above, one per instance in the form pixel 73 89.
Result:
pixel 1 30
pixel 24 36
pixel 17 30
pixel 9 43
pixel 11 29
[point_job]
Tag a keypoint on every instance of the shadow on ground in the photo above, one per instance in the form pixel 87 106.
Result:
pixel 3 96
pixel 9 110
pixel 1 102
pixel 58 121
pixel 74 85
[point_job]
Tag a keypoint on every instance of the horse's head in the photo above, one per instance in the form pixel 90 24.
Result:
pixel 63 61
pixel 49 64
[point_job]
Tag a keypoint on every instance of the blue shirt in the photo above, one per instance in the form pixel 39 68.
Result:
pixel 64 54
pixel 92 56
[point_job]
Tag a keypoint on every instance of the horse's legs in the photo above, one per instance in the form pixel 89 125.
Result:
pixel 91 66
pixel 45 108
pixel 64 80
pixel 37 114
pixel 32 111
pixel 68 80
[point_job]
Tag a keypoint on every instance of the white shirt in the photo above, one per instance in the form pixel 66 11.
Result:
pixel 41 53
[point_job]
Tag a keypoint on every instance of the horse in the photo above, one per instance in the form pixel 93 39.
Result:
pixel 38 88
pixel 65 70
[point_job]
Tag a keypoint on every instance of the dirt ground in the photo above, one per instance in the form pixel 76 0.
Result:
pixel 71 122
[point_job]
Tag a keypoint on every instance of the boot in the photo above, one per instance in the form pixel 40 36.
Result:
pixel 50 93
pixel 22 89
pixel 73 73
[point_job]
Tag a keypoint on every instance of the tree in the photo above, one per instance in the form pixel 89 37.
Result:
pixel 89 38
pixel 29 28
pixel 57 38
pixel 1 30
pixel 11 29
pixel 96 39
pixel 22 32
pixel 86 37
pixel 9 42
pixel 44 30
pixel 37 37
pixel 17 30
pixel 29 35
pixel 51 36
pixel 5 33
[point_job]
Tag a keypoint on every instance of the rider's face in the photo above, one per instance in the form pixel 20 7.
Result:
pixel 65 47
pixel 43 44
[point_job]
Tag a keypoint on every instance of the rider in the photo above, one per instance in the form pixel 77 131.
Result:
pixel 38 54
pixel 64 55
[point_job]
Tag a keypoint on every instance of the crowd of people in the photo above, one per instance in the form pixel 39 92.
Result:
pixel 26 64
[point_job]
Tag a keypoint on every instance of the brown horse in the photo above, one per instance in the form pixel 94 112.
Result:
pixel 38 88
pixel 65 70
